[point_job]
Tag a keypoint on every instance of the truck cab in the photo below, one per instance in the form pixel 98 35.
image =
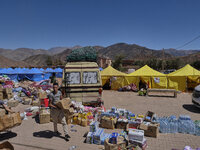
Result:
pixel 82 82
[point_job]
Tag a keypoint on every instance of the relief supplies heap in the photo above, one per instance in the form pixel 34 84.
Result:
pixel 83 54
pixel 13 93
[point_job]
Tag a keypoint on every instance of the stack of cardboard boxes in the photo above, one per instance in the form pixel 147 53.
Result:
pixel 1 92
pixel 65 104
pixel 9 121
pixel 5 93
pixel 8 93
pixel 150 128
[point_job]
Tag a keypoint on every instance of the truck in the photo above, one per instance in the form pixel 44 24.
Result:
pixel 82 83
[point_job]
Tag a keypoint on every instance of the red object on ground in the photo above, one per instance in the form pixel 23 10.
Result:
pixel 29 114
pixel 8 82
pixel 45 102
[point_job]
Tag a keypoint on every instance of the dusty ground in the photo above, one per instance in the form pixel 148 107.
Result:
pixel 31 135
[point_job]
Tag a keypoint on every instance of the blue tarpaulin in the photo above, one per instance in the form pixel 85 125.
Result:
pixel 34 74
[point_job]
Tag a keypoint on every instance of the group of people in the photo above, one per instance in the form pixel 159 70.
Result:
pixel 56 113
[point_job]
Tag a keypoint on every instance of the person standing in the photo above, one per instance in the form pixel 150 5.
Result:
pixel 56 113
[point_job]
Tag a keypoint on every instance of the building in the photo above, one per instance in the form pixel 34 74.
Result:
pixel 104 62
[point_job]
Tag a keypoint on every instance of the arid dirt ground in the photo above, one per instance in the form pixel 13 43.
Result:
pixel 31 135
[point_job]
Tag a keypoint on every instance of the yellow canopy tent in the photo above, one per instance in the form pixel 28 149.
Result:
pixel 179 79
pixel 148 75
pixel 117 80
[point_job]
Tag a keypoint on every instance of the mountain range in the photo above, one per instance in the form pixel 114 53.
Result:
pixel 25 57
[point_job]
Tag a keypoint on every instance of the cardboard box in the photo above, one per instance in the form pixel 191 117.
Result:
pixel 13 103
pixel 133 124
pixel 2 112
pixel 1 88
pixel 1 95
pixel 108 122
pixel 6 146
pixel 121 144
pixel 42 95
pixel 27 101
pixel 44 116
pixel 121 125
pixel 6 122
pixel 152 131
pixel 64 104
pixel 149 116
pixel 144 125
pixel 142 145
pixel 8 95
pixel 16 119
pixel 69 112
pixel 84 122
pixel 36 102
pixel 79 121
pixel 8 90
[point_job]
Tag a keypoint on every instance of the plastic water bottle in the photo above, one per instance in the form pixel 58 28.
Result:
pixel 197 127
pixel 171 124
pixel 72 147
pixel 176 126
pixel 192 127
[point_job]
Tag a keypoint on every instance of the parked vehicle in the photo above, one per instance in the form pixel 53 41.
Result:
pixel 82 82
pixel 196 96
pixel 44 84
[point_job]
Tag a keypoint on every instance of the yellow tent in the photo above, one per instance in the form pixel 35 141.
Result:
pixel 148 75
pixel 110 71
pixel 184 77
pixel 117 80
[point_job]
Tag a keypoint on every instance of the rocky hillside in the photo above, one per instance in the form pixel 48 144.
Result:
pixel 176 53
pixel 37 60
pixel 131 51
pixel 190 58
pixel 22 57
pixel 21 53
pixel 6 62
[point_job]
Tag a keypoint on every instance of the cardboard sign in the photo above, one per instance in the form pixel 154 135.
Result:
pixel 156 79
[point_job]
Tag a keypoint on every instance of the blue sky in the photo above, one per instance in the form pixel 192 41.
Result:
pixel 154 24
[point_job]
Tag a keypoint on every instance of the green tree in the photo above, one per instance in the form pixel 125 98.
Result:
pixel 196 64
pixel 117 64
pixel 159 64
pixel 175 64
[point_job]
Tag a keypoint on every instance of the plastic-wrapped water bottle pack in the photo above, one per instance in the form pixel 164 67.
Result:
pixel 183 124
